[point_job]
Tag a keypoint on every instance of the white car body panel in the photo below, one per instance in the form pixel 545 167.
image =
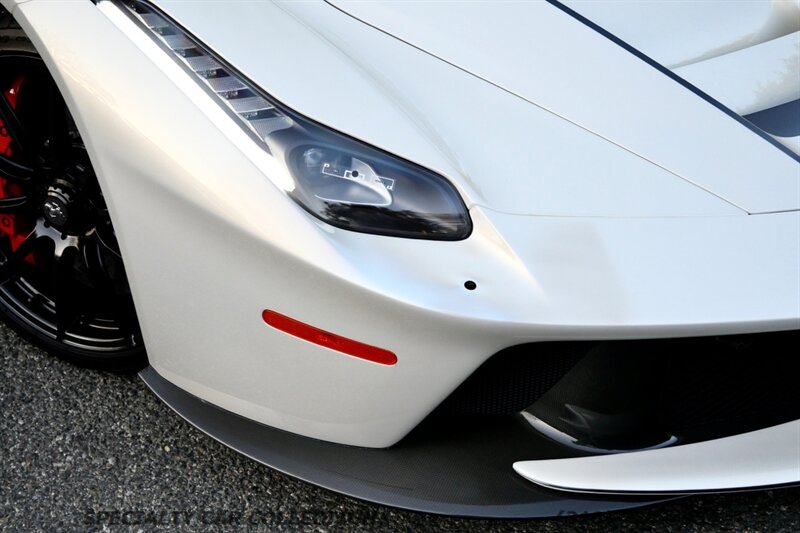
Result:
pixel 745 54
pixel 597 84
pixel 763 458
pixel 793 143
pixel 752 79
pixel 683 33
pixel 168 157
pixel 435 126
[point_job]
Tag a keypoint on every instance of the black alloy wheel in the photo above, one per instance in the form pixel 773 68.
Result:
pixel 62 280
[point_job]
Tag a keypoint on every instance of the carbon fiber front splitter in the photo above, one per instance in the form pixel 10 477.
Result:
pixel 444 466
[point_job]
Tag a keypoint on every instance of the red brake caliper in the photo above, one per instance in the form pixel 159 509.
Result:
pixel 11 96
pixel 9 189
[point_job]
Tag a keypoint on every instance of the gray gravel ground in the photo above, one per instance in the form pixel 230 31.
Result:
pixel 84 450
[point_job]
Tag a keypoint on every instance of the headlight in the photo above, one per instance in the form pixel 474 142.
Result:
pixel 340 180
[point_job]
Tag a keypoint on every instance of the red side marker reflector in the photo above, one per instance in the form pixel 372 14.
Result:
pixel 328 340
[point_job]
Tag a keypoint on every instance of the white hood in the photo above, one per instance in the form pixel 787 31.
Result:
pixel 578 124
pixel 745 54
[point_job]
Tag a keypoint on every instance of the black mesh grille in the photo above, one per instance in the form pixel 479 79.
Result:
pixel 747 381
pixel 638 390
pixel 695 380
pixel 514 378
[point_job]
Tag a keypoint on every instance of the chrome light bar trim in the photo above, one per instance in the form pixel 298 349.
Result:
pixel 252 110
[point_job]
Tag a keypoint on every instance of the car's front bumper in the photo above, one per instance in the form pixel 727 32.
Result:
pixel 464 471
pixel 210 242
pixel 456 468
pixel 538 279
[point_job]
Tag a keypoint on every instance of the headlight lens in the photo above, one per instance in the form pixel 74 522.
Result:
pixel 344 182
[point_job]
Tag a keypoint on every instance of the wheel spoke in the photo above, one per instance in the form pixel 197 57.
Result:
pixel 96 265
pixel 57 131
pixel 14 171
pixel 9 269
pixel 12 124
pixel 106 239
pixel 97 256
pixel 126 319
pixel 12 204
pixel 66 297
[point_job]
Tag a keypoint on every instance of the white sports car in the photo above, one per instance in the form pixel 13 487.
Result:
pixel 504 259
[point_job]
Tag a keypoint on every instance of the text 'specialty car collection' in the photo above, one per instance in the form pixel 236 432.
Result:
pixel 500 259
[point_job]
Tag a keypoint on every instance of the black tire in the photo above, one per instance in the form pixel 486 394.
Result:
pixel 36 317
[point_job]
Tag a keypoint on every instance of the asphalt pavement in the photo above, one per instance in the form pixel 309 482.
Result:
pixel 84 450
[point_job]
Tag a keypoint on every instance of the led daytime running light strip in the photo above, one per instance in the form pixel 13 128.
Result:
pixel 254 112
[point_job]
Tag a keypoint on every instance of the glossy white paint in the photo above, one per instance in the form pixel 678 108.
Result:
pixel 792 142
pixel 210 239
pixel 541 54
pixel 752 79
pixel 745 54
pixel 678 33
pixel 9 4
pixel 758 459
pixel 380 90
